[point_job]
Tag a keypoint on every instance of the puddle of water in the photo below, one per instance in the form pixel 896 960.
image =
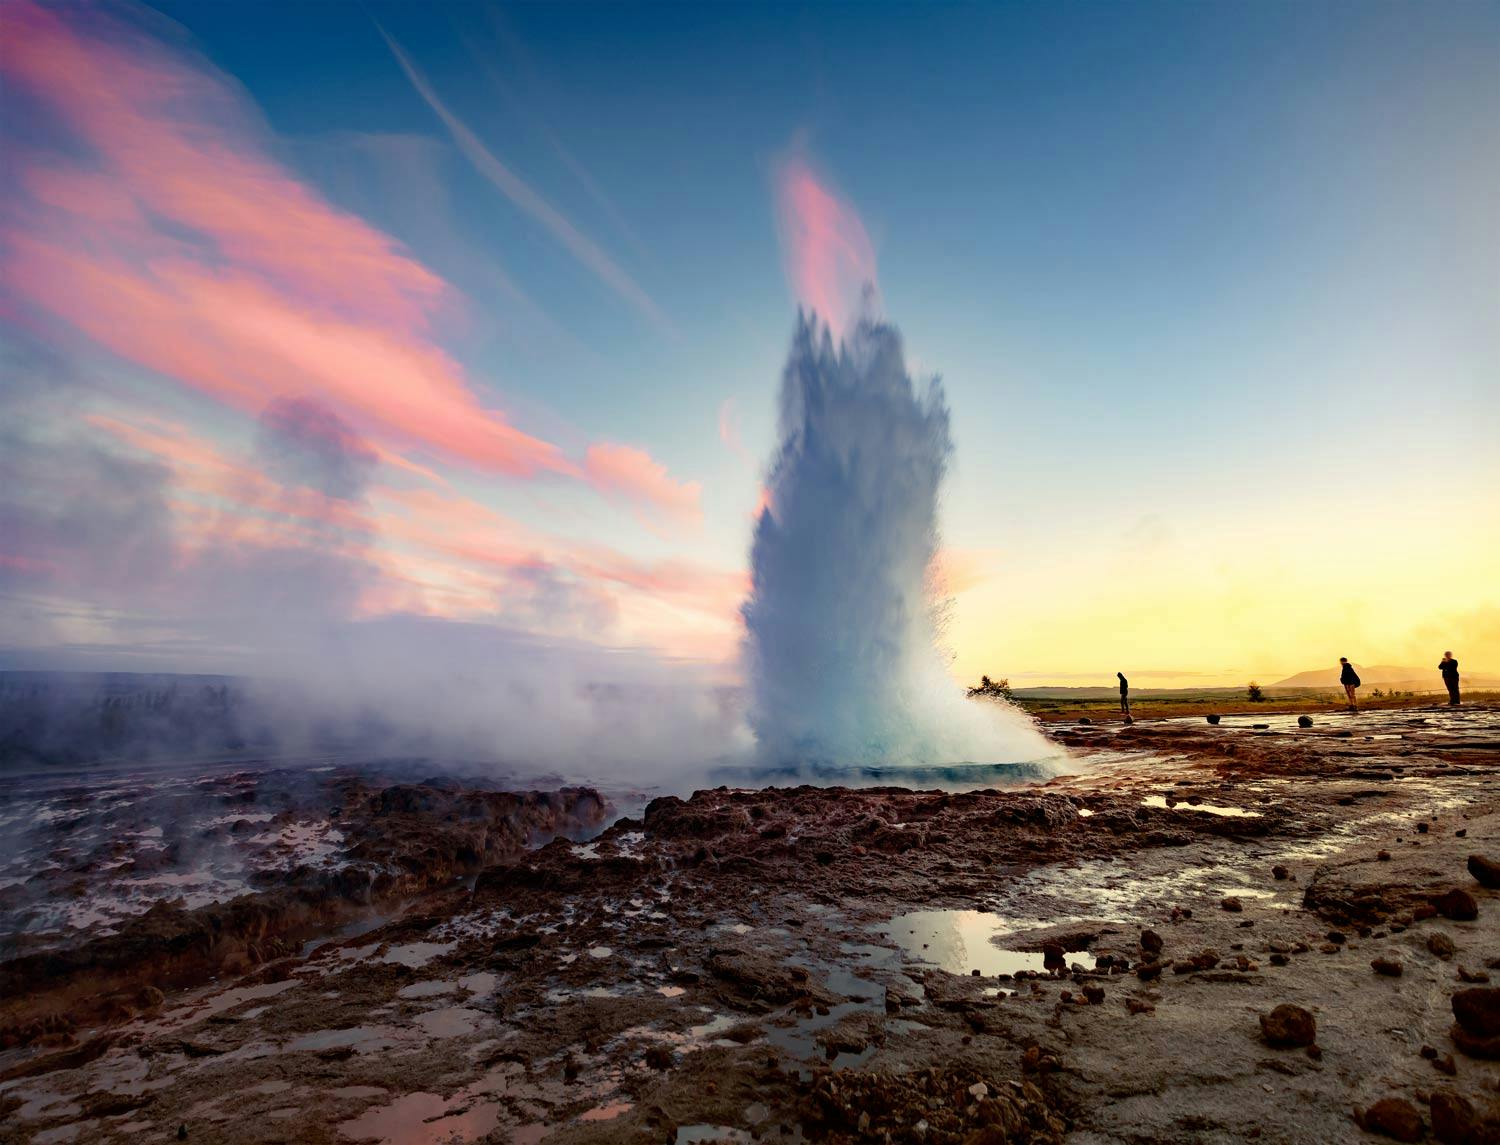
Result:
pixel 416 954
pixel 449 1022
pixel 422 1119
pixel 606 1112
pixel 1206 808
pixel 959 941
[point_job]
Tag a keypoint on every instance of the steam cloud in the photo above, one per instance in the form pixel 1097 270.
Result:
pixel 842 659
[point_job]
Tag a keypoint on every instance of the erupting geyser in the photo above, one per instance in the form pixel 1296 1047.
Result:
pixel 842 652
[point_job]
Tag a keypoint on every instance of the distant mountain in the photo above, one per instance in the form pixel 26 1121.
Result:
pixel 1387 676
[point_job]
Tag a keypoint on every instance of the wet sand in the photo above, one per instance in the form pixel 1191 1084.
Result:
pixel 847 965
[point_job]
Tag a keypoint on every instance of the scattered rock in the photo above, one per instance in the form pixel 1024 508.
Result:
pixel 1232 904
pixel 1477 1032
pixel 1383 856
pixel 1212 719
pixel 1472 976
pixel 1440 945
pixel 1478 1010
pixel 1136 1006
pixel 1278 872
pixel 1453 1118
pixel 1150 942
pixel 1304 721
pixel 1457 904
pixel 1393 1117
pixel 1485 871
pixel 1387 966
pixel 1421 828
pixel 1289 1026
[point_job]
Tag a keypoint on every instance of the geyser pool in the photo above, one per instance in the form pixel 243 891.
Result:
pixel 842 658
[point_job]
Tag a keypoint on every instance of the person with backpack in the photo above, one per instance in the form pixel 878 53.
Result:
pixel 1350 679
pixel 1448 666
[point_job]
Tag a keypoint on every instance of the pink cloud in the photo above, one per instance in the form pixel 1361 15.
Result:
pixel 173 240
pixel 633 474
pixel 828 254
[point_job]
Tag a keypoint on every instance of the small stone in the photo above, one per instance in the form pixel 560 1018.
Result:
pixel 1094 994
pixel 1446 1064
pixel 1289 1026
pixel 1387 966
pixel 1304 721
pixel 1440 945
pixel 1337 936
pixel 1457 904
pixel 1393 1117
pixel 1146 971
pixel 1461 833
pixel 1472 976
pixel 1485 871
pixel 1136 1006
pixel 1212 719
pixel 975 972
pixel 1427 1052
pixel 1383 856
pixel 1478 1010
pixel 1315 1052
pixel 1330 948
pixel 1053 956
pixel 1453 1118
pixel 182 1133
pixel 979 1091
pixel 1421 828
pixel 1279 960
pixel 1232 904
pixel 1278 872
pixel 1151 941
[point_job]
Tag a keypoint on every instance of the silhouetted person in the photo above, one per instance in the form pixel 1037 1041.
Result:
pixel 1350 679
pixel 1448 666
pixel 1124 694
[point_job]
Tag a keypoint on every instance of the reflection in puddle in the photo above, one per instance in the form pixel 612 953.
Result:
pixel 695 1134
pixel 606 1112
pixel 1206 808
pixel 959 941
pixel 416 954
pixel 422 1119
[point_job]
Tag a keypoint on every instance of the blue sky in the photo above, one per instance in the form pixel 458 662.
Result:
pixel 1216 283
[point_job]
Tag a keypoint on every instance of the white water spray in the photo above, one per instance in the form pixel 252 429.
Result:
pixel 842 650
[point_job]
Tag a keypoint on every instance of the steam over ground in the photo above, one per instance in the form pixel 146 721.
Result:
pixel 842 643
pixel 843 670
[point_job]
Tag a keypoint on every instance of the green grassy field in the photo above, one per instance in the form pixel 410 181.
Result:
pixel 1164 703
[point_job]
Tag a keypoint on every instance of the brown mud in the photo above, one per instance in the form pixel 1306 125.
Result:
pixel 1089 959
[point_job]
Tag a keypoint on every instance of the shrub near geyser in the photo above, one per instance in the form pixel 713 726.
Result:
pixel 841 647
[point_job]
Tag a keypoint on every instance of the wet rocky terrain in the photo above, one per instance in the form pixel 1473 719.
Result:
pixel 1203 933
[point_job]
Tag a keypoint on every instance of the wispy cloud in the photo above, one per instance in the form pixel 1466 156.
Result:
pixel 173 239
pixel 626 472
pixel 519 192
pixel 152 219
pixel 829 258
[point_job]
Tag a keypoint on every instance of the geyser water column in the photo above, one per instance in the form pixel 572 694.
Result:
pixel 841 648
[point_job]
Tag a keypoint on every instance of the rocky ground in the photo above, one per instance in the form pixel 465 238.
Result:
pixel 1206 933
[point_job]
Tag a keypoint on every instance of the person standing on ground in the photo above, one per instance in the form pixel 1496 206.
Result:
pixel 1448 666
pixel 1124 694
pixel 1350 679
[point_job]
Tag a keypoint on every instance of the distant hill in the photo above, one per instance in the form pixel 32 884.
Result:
pixel 1387 676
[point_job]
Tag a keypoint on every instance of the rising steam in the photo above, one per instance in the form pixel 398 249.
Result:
pixel 842 660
